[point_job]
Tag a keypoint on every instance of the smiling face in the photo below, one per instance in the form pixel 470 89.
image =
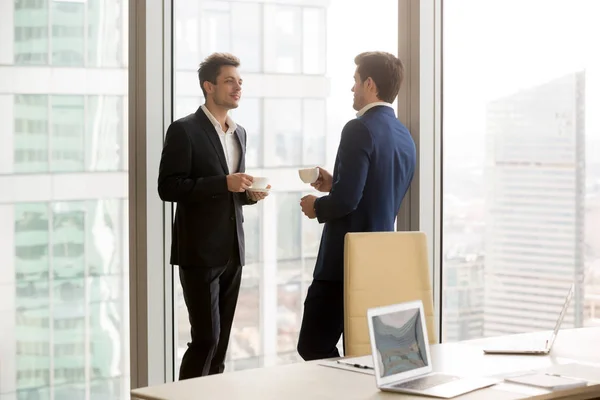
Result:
pixel 227 90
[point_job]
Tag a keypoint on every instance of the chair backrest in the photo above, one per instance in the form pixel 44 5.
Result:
pixel 383 268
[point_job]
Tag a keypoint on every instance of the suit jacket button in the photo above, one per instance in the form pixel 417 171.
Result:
pixel 232 218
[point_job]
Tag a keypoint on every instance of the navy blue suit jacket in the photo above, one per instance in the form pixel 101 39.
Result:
pixel 374 167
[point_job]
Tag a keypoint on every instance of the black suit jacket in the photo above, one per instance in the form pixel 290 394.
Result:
pixel 192 173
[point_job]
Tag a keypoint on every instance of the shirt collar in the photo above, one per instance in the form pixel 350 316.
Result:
pixel 366 108
pixel 232 125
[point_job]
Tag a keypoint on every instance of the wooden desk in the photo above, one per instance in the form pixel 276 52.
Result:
pixel 315 382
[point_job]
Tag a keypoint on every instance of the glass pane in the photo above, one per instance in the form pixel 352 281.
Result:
pixel 181 319
pixel 107 296
pixel 32 359
pixel 68 235
pixel 283 39
pixel 31 32
pixel 283 132
pixel 31 133
pixel 246 35
pixel 186 35
pixel 289 304
pixel 64 290
pixel 252 224
pixel 314 57
pixel 249 116
pixel 245 344
pixel 295 103
pixel 311 238
pixel 67 133
pixel 186 105
pixel 313 132
pixel 31 236
pixel 106 133
pixel 67 33
pixel 289 245
pixel 521 166
pixel 289 271
pixel 215 29
pixel 105 22
pixel 69 298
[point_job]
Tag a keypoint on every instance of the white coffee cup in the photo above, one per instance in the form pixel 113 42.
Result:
pixel 259 182
pixel 309 175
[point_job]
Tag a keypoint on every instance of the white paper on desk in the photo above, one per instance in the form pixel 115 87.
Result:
pixel 586 372
pixel 521 389
pixel 346 364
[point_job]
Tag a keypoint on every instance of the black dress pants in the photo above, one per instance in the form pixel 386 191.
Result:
pixel 323 320
pixel 211 296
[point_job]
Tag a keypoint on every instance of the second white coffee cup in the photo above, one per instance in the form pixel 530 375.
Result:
pixel 309 175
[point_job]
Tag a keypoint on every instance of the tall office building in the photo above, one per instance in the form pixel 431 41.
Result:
pixel 463 296
pixel 534 242
pixel 63 200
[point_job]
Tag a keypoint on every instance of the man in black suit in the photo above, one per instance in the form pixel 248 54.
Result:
pixel 202 170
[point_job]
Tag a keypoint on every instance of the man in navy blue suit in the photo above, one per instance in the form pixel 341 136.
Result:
pixel 373 169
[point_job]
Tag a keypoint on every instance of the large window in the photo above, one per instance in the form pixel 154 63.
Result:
pixel 64 298
pixel 521 172
pixel 296 100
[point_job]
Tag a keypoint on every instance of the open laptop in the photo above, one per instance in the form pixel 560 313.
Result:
pixel 527 348
pixel 401 356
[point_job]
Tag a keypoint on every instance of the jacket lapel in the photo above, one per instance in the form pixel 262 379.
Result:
pixel 213 136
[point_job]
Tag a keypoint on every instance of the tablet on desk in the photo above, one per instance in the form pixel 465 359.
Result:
pixel 547 381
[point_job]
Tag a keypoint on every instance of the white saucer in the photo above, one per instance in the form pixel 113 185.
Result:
pixel 258 190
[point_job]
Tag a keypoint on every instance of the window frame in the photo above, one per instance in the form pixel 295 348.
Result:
pixel 150 275
pixel 152 335
pixel 419 108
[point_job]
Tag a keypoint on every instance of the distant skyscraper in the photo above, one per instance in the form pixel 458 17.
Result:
pixel 64 305
pixel 534 242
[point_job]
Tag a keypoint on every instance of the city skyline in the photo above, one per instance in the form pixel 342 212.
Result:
pixel 468 252
pixel 483 69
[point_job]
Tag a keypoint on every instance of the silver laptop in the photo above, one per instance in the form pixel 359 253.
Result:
pixel 541 348
pixel 401 356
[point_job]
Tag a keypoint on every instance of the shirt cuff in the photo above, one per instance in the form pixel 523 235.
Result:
pixel 316 208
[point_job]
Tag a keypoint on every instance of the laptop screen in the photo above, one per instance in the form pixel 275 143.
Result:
pixel 399 342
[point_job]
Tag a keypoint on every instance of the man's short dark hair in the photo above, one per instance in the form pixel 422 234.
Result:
pixel 386 70
pixel 210 68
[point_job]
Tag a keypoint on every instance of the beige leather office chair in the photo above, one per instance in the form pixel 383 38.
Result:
pixel 383 268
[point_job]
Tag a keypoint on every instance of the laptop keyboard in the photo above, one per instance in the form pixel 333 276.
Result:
pixel 426 382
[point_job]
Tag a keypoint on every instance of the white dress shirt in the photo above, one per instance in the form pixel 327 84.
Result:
pixel 231 146
pixel 371 105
